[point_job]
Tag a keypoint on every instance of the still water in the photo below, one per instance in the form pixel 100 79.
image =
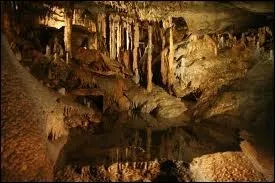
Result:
pixel 141 138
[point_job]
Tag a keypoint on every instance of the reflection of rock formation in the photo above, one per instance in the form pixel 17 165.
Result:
pixel 126 145
pixel 128 172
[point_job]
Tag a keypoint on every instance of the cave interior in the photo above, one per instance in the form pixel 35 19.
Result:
pixel 137 91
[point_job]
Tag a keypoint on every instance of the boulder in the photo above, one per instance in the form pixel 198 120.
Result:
pixel 222 167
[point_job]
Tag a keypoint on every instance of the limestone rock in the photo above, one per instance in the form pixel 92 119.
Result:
pixel 221 167
pixel 262 162
pixel 165 105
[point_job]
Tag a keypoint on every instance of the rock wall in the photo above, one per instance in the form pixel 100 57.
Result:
pixel 30 115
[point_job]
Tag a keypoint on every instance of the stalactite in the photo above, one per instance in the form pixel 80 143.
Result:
pixel 118 39
pixel 163 68
pixel 135 53
pixel 68 34
pixel 120 34
pixel 130 36
pixel 98 32
pixel 103 25
pixel 113 41
pixel 127 35
pixel 110 36
pixel 74 17
pixel 149 60
pixel 171 56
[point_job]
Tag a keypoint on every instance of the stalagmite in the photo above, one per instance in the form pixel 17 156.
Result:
pixel 234 41
pixel 149 60
pixel 68 34
pixel 243 39
pixel 253 41
pixel 262 35
pixel 163 68
pixel 171 56
pixel 211 43
pixel 135 53
pixel 221 42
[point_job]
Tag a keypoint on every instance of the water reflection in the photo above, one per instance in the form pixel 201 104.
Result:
pixel 137 140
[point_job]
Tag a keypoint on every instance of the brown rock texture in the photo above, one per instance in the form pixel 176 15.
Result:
pixel 30 113
pixel 262 161
pixel 222 167
pixel 23 147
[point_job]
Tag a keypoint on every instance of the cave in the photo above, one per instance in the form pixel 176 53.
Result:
pixel 128 91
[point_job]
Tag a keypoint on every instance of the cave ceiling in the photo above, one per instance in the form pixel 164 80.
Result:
pixel 200 16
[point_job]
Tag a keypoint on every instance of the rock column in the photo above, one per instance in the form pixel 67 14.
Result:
pixel 149 60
